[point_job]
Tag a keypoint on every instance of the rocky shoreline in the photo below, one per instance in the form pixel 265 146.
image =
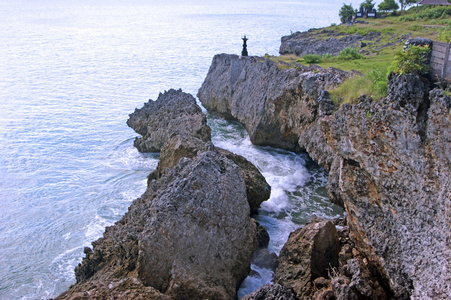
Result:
pixel 191 235
pixel 388 160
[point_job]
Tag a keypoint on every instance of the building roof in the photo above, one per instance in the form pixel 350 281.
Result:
pixel 434 2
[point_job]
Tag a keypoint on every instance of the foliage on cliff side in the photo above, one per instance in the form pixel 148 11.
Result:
pixel 385 38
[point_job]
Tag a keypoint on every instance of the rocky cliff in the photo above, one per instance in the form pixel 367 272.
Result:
pixel 389 161
pixel 190 235
pixel 320 42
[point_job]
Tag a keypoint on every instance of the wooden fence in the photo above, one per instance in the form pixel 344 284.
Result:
pixel 441 61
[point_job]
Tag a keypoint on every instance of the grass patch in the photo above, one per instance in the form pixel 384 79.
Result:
pixel 353 88
pixel 380 52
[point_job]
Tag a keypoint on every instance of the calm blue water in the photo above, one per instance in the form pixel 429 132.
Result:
pixel 72 71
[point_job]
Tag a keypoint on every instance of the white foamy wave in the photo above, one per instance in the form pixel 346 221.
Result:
pixel 95 229
pixel 253 282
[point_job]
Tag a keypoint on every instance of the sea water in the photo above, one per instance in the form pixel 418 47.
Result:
pixel 72 71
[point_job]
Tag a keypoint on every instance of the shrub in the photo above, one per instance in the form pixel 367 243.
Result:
pixel 444 34
pixel 380 81
pixel 312 58
pixel 326 55
pixel 349 53
pixel 415 27
pixel 411 60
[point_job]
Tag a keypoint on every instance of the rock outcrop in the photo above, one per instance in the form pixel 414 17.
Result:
pixel 271 103
pixel 190 235
pixel 322 42
pixel 389 161
pixel 174 112
pixel 311 252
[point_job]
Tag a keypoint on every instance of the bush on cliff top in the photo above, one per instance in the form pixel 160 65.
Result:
pixel 312 58
pixel 411 60
pixel 349 53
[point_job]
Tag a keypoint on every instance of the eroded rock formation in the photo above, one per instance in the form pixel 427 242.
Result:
pixel 389 161
pixel 323 41
pixel 174 112
pixel 190 235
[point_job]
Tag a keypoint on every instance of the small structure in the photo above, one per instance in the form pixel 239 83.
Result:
pixel 244 52
pixel 366 13
pixel 434 2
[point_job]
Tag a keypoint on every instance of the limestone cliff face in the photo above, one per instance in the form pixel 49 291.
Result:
pixel 273 103
pixel 389 161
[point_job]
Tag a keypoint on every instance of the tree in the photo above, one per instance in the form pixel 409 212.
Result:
pixel 367 5
pixel 388 5
pixel 406 3
pixel 346 12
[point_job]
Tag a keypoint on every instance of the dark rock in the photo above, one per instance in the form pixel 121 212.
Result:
pixel 270 292
pixel 174 112
pixel 177 147
pixel 309 253
pixel 265 259
pixel 325 105
pixel 262 236
pixel 342 290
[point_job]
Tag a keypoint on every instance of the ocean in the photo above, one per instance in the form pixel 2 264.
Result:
pixel 72 71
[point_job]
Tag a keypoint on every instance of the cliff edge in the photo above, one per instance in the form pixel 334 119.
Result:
pixel 389 161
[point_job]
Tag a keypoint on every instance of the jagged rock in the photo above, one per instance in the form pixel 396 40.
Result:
pixel 391 186
pixel 262 236
pixel 342 290
pixel 313 42
pixel 284 101
pixel 121 289
pixel 174 112
pixel 186 237
pixel 388 161
pixel 257 189
pixel 309 253
pixel 269 292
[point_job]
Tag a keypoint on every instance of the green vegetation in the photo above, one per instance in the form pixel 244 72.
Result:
pixel 367 5
pixel 388 5
pixel 411 60
pixel 346 12
pixel 349 53
pixel 312 58
pixel 429 14
pixel 444 34
pixel 406 3
pixel 379 54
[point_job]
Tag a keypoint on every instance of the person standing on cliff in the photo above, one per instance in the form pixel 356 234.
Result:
pixel 244 52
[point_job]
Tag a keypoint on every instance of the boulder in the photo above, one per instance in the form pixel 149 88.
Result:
pixel 257 189
pixel 309 253
pixel 174 112
pixel 187 237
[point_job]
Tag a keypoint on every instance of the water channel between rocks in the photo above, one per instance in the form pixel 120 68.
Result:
pixel 298 190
